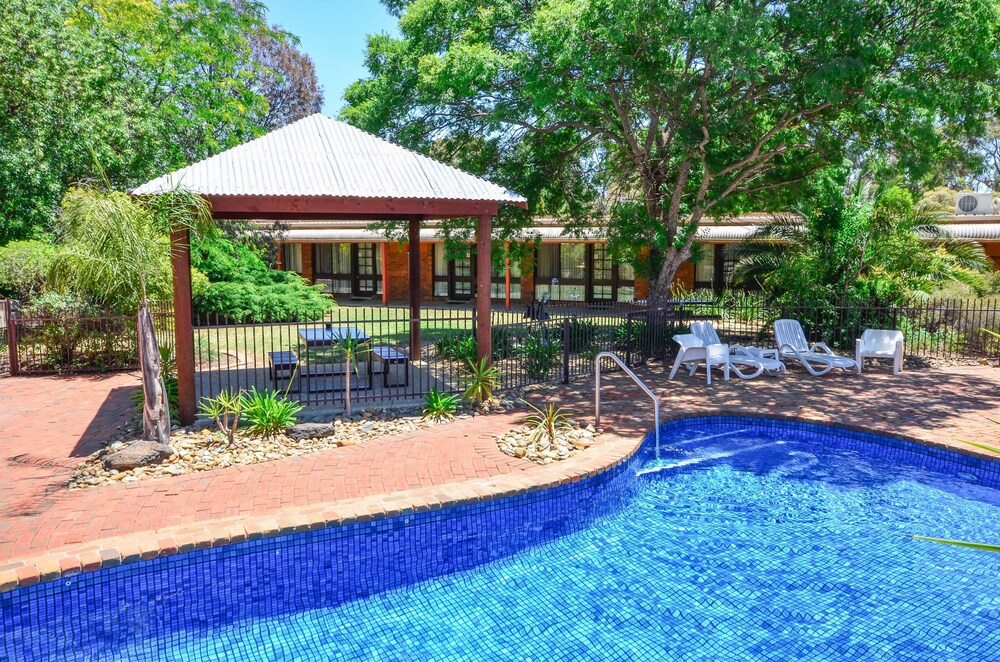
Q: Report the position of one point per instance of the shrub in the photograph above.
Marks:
(582, 335)
(481, 380)
(457, 347)
(540, 353)
(504, 343)
(243, 288)
(439, 406)
(269, 413)
(225, 409)
(548, 422)
(61, 330)
(24, 266)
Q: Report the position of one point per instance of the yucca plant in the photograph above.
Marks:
(480, 381)
(439, 406)
(548, 422)
(355, 350)
(269, 413)
(226, 409)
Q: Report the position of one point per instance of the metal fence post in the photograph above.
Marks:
(565, 350)
(8, 312)
(628, 340)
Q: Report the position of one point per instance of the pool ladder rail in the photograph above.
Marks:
(638, 382)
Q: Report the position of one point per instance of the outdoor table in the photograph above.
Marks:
(328, 336)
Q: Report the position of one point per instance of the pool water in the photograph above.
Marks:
(737, 543)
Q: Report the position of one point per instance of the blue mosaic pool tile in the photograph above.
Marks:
(746, 539)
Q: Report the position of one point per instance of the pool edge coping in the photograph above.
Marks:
(613, 450)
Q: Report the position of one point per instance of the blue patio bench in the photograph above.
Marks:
(283, 364)
(390, 356)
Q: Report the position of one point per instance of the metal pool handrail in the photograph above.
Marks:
(638, 382)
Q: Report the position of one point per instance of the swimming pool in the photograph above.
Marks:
(747, 539)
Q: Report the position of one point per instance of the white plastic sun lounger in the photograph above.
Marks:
(746, 362)
(693, 352)
(817, 358)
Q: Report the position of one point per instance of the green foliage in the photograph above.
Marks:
(225, 409)
(439, 406)
(856, 244)
(481, 379)
(548, 422)
(242, 287)
(268, 412)
(671, 112)
(457, 347)
(540, 353)
(116, 248)
(24, 266)
(142, 87)
(504, 343)
(62, 328)
(582, 335)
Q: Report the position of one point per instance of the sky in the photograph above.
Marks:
(333, 33)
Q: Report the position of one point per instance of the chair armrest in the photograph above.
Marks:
(821, 347)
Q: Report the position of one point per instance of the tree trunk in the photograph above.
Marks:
(660, 284)
(155, 408)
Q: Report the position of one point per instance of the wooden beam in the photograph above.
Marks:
(180, 262)
(413, 252)
(329, 207)
(484, 330)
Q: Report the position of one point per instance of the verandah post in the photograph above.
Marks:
(484, 331)
(180, 262)
(413, 253)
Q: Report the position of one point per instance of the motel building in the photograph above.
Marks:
(355, 263)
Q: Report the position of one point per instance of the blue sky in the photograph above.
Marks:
(333, 33)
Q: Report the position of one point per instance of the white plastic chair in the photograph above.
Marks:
(817, 358)
(693, 352)
(757, 360)
(880, 344)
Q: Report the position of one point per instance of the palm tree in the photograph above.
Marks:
(116, 250)
(860, 244)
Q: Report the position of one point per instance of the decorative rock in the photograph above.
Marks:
(302, 431)
(138, 454)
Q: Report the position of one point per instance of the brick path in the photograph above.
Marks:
(48, 424)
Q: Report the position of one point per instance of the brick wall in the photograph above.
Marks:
(426, 271)
(397, 269)
(527, 279)
(993, 252)
(307, 261)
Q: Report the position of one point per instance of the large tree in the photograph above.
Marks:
(139, 86)
(287, 79)
(676, 111)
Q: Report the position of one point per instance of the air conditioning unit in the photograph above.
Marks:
(973, 204)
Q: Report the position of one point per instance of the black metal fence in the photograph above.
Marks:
(99, 341)
(308, 358)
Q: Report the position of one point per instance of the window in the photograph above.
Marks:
(585, 273)
(498, 281)
(332, 267)
(291, 258)
(704, 269)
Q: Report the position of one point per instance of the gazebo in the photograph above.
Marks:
(321, 169)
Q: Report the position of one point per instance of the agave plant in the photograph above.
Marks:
(269, 413)
(548, 422)
(439, 406)
(481, 379)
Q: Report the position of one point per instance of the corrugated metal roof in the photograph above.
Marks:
(319, 156)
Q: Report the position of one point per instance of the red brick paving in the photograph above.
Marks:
(49, 424)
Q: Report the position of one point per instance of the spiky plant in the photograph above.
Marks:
(439, 406)
(481, 379)
(549, 422)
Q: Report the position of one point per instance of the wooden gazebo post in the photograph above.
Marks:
(180, 263)
(484, 321)
(413, 253)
